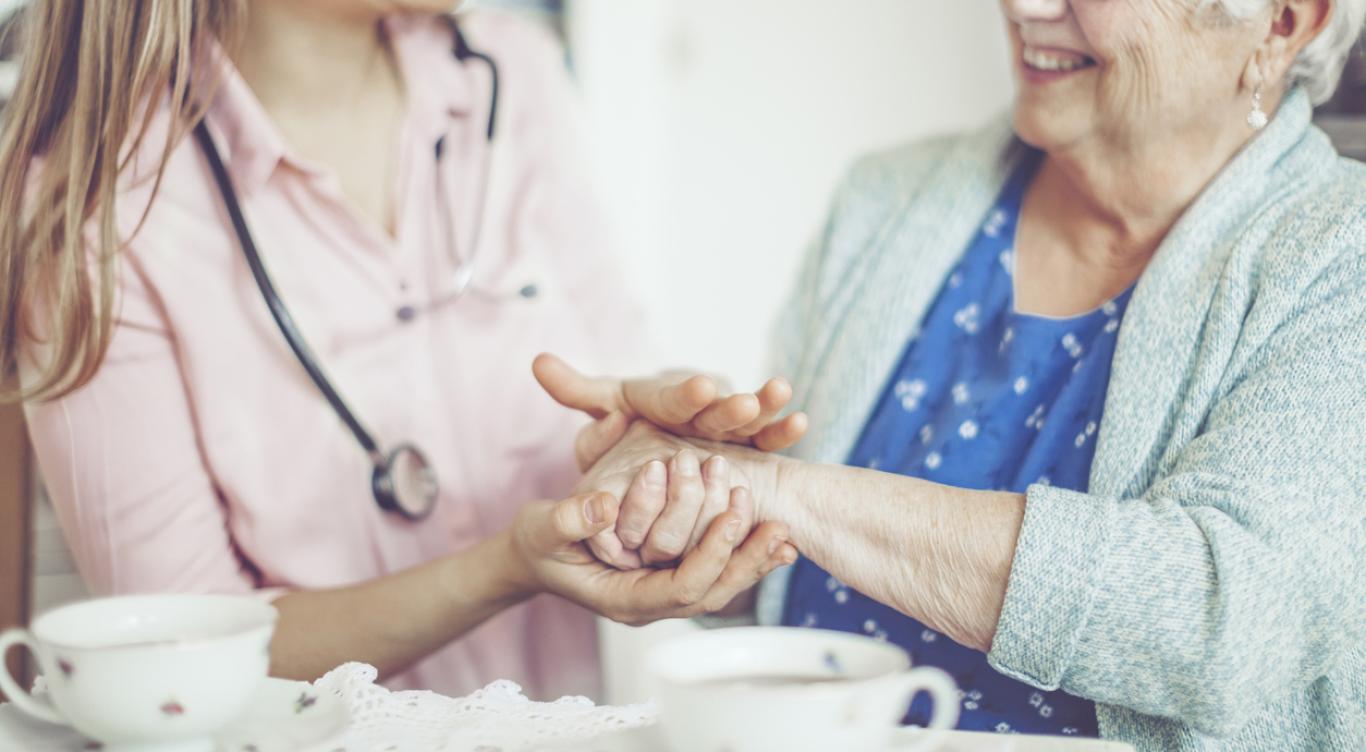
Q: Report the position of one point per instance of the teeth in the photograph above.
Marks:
(1041, 60)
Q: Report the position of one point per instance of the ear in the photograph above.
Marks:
(1292, 25)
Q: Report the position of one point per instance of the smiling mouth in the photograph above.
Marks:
(1055, 61)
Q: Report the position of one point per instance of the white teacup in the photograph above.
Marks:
(758, 689)
(147, 673)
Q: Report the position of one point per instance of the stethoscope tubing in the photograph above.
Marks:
(285, 322)
(278, 310)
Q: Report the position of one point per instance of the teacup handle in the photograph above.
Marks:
(23, 700)
(939, 685)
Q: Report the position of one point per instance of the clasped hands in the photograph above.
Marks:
(666, 520)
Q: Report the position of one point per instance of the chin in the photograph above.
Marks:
(1043, 127)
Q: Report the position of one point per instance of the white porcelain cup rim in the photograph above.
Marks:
(253, 614)
(712, 667)
(123, 625)
(893, 659)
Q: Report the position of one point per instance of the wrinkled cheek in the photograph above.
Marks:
(1144, 86)
(1152, 66)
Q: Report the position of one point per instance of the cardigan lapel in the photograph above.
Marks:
(910, 256)
(918, 244)
(1160, 337)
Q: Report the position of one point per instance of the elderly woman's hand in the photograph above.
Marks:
(684, 404)
(548, 542)
(669, 497)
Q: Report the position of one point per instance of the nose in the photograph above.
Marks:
(1035, 10)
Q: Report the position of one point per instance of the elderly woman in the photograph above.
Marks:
(1099, 378)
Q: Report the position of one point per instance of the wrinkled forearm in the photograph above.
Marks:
(939, 554)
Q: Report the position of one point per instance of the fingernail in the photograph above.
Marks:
(733, 531)
(592, 509)
(654, 474)
(789, 556)
(773, 546)
(718, 465)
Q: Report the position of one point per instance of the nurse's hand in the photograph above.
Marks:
(548, 543)
(680, 402)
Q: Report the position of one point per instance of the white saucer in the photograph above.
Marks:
(288, 716)
(284, 716)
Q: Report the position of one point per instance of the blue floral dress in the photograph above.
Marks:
(984, 398)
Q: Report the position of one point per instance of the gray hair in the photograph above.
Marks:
(1320, 63)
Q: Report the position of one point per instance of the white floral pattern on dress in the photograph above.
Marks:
(996, 221)
(961, 394)
(966, 318)
(968, 429)
(984, 397)
(910, 393)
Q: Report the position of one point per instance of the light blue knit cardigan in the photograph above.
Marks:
(1209, 592)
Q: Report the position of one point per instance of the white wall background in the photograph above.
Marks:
(722, 126)
(725, 124)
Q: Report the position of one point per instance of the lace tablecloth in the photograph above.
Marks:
(498, 718)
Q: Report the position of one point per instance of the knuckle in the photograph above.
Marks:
(715, 602)
(666, 544)
(689, 594)
(652, 505)
(563, 519)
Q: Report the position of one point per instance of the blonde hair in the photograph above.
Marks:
(91, 79)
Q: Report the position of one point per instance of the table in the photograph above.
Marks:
(345, 711)
(651, 740)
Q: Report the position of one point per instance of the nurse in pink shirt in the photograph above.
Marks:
(182, 443)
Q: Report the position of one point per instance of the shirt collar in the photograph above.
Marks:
(438, 89)
(250, 143)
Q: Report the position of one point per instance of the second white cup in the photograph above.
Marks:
(758, 689)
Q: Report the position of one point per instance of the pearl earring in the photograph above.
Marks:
(1257, 118)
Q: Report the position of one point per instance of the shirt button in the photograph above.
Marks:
(406, 313)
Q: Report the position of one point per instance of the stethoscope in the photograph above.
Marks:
(403, 481)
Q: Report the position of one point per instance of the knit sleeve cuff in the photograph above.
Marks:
(1059, 559)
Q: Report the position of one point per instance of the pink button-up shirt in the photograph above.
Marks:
(201, 457)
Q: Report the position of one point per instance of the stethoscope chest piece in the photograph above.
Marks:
(405, 483)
